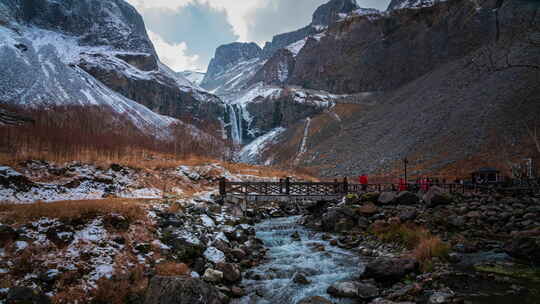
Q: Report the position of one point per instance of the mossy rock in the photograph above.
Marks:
(351, 199)
(516, 271)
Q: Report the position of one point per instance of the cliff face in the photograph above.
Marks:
(366, 53)
(276, 70)
(92, 52)
(323, 16)
(459, 82)
(224, 66)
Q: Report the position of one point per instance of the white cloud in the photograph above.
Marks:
(174, 55)
(236, 10)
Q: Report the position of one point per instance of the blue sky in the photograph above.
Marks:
(187, 32)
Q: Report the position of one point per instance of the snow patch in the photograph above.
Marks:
(252, 152)
(214, 255)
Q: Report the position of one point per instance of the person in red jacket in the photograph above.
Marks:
(402, 185)
(363, 179)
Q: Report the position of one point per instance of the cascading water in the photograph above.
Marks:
(235, 119)
(272, 282)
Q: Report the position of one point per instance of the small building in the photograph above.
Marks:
(486, 176)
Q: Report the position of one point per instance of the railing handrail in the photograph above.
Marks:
(288, 187)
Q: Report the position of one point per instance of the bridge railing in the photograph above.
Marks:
(286, 187)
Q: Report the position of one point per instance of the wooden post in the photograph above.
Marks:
(222, 186)
(345, 186)
(288, 185)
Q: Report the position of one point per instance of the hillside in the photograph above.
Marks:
(93, 53)
(441, 82)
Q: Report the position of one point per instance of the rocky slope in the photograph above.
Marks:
(92, 53)
(453, 78)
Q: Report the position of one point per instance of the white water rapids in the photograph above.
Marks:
(288, 257)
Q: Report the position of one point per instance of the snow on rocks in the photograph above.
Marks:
(252, 152)
(412, 4)
(41, 181)
(214, 255)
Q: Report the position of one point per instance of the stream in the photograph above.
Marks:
(272, 282)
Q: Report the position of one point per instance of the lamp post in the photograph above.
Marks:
(405, 162)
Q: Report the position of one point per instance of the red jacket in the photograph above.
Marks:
(363, 180)
(402, 186)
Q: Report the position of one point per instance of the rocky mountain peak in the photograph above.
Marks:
(329, 12)
(226, 56)
(235, 52)
(98, 23)
(400, 4)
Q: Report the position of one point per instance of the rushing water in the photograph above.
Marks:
(288, 256)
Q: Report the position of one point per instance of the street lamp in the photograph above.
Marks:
(405, 162)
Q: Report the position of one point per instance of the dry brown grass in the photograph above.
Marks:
(121, 287)
(70, 210)
(430, 247)
(175, 208)
(171, 269)
(423, 245)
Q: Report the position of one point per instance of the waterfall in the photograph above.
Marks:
(235, 121)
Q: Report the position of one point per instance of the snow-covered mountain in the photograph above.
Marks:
(401, 4)
(194, 77)
(252, 81)
(92, 52)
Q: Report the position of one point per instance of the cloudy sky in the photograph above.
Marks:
(187, 32)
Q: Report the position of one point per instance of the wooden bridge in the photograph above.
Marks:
(285, 188)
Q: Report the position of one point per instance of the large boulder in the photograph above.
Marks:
(339, 219)
(389, 270)
(231, 272)
(436, 197)
(407, 198)
(353, 289)
(386, 198)
(181, 290)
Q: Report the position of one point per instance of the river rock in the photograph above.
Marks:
(389, 270)
(237, 292)
(25, 295)
(214, 255)
(406, 198)
(436, 197)
(212, 275)
(386, 198)
(408, 215)
(314, 300)
(185, 251)
(181, 290)
(367, 209)
(231, 272)
(352, 289)
(300, 278)
(238, 253)
(7, 234)
(440, 298)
